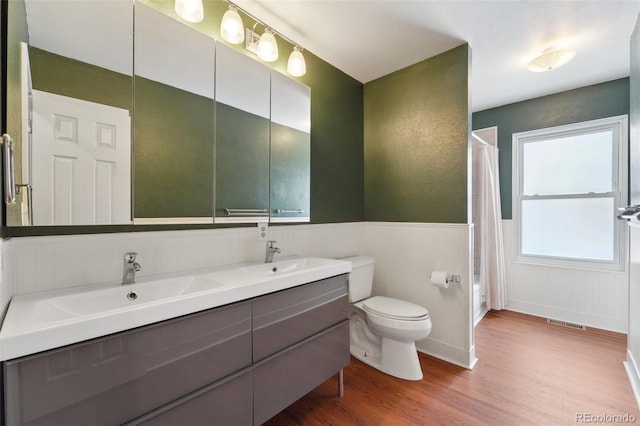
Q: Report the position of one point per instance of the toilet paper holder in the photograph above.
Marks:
(444, 279)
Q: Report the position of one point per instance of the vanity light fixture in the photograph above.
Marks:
(296, 65)
(550, 59)
(232, 28)
(190, 10)
(268, 46)
(265, 45)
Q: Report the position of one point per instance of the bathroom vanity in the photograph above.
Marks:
(234, 363)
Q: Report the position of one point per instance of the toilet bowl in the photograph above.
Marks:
(384, 329)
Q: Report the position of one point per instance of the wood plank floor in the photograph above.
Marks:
(529, 372)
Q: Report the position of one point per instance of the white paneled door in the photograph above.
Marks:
(81, 162)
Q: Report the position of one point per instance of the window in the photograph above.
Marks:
(568, 182)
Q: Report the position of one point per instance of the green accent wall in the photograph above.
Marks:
(173, 152)
(242, 160)
(416, 133)
(337, 138)
(587, 103)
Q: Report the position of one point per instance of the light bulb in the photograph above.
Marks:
(268, 47)
(232, 28)
(190, 10)
(296, 65)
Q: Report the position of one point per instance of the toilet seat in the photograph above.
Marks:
(396, 309)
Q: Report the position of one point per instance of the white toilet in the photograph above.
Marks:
(384, 330)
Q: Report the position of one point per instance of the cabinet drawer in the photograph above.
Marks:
(117, 378)
(289, 316)
(227, 402)
(283, 379)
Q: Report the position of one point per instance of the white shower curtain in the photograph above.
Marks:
(492, 250)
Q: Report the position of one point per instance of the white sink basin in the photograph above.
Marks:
(41, 321)
(121, 297)
(284, 266)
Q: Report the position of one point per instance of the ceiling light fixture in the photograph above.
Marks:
(268, 46)
(231, 27)
(296, 65)
(190, 10)
(550, 59)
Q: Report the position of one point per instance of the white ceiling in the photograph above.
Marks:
(370, 38)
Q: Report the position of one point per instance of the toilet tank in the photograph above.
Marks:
(361, 277)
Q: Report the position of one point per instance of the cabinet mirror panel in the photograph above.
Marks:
(174, 120)
(198, 132)
(290, 149)
(242, 137)
(69, 111)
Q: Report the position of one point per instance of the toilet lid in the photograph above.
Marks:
(395, 309)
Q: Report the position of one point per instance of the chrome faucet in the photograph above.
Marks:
(130, 268)
(271, 250)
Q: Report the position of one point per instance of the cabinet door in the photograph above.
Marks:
(290, 316)
(242, 137)
(284, 378)
(114, 379)
(290, 149)
(81, 54)
(227, 402)
(174, 120)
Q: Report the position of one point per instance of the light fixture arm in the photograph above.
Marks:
(258, 21)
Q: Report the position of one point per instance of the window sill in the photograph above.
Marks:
(616, 268)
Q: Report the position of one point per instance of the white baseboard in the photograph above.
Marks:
(446, 352)
(590, 320)
(634, 376)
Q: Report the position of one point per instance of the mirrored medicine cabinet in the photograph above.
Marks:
(167, 127)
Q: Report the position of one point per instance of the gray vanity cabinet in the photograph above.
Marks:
(284, 378)
(238, 364)
(285, 318)
(226, 402)
(117, 378)
(300, 338)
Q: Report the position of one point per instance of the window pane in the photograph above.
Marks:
(573, 228)
(571, 165)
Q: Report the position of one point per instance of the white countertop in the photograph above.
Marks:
(41, 321)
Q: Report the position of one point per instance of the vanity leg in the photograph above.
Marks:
(341, 383)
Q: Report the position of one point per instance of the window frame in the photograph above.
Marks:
(620, 128)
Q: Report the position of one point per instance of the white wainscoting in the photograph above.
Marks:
(589, 297)
(406, 254)
(55, 262)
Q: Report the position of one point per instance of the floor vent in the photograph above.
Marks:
(566, 324)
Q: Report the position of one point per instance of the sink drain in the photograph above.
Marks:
(132, 295)
(274, 269)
